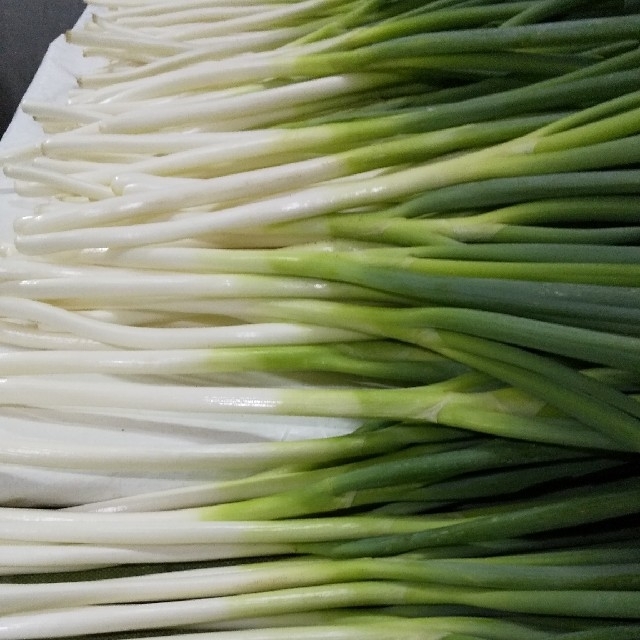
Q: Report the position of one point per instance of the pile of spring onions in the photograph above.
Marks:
(322, 321)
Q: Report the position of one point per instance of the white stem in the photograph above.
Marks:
(37, 392)
(215, 48)
(298, 12)
(34, 337)
(196, 583)
(188, 527)
(186, 15)
(16, 559)
(238, 154)
(246, 457)
(75, 146)
(162, 7)
(61, 183)
(244, 186)
(196, 495)
(86, 38)
(305, 203)
(65, 113)
(177, 338)
(105, 287)
(113, 618)
(136, 4)
(251, 103)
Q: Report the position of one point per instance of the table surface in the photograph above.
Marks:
(27, 27)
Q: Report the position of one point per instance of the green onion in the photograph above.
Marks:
(321, 319)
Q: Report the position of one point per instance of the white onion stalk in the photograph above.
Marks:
(214, 48)
(28, 559)
(188, 527)
(224, 459)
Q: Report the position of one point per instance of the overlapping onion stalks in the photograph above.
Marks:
(331, 310)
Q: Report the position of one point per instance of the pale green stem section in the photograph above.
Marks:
(85, 620)
(190, 527)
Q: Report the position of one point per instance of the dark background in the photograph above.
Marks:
(27, 27)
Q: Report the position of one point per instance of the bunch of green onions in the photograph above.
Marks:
(325, 320)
